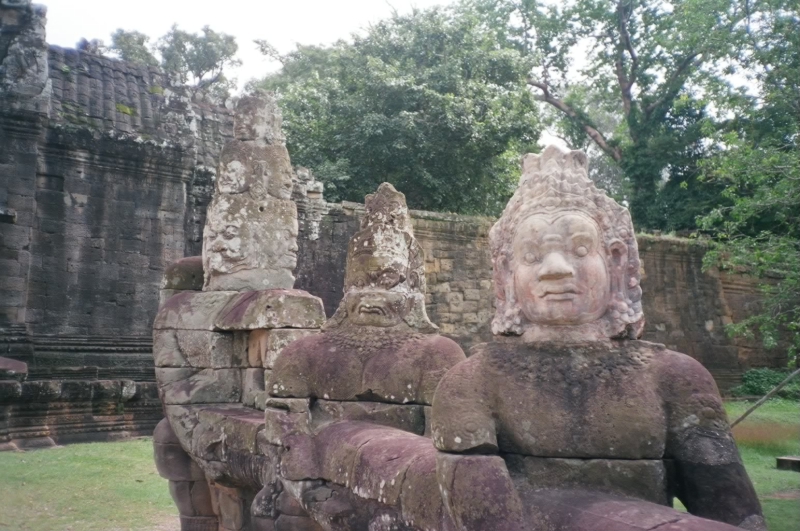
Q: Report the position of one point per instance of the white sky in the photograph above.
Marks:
(283, 23)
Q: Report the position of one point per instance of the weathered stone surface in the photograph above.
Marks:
(184, 274)
(199, 386)
(250, 243)
(253, 394)
(196, 348)
(275, 308)
(379, 345)
(13, 369)
(642, 479)
(250, 237)
(192, 310)
(410, 418)
(265, 345)
(566, 279)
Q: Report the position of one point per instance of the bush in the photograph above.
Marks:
(759, 382)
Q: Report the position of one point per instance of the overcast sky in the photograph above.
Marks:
(283, 23)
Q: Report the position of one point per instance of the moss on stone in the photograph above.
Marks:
(124, 109)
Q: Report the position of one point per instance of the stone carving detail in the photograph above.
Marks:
(589, 430)
(250, 238)
(591, 281)
(380, 343)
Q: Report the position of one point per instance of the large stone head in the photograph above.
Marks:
(566, 263)
(384, 282)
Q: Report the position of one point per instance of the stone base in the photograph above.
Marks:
(789, 463)
(45, 413)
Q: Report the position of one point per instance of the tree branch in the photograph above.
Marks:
(626, 81)
(670, 85)
(598, 138)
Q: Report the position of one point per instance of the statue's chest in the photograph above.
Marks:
(583, 406)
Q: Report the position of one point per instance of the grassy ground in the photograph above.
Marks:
(85, 487)
(771, 431)
(115, 487)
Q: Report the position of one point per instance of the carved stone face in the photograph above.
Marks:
(277, 170)
(229, 246)
(280, 244)
(559, 270)
(376, 307)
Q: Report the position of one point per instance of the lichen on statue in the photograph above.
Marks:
(380, 344)
(565, 394)
(250, 236)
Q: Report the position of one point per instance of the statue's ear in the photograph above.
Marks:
(618, 263)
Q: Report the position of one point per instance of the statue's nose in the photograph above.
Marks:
(555, 267)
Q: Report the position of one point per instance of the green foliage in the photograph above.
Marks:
(635, 78)
(759, 382)
(758, 165)
(194, 59)
(132, 46)
(199, 58)
(429, 102)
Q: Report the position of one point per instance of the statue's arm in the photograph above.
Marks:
(710, 478)
(461, 419)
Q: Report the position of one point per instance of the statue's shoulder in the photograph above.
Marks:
(676, 370)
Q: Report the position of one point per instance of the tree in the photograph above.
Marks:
(759, 167)
(194, 59)
(198, 59)
(132, 46)
(429, 101)
(656, 64)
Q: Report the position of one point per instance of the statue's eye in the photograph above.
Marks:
(530, 258)
(582, 251)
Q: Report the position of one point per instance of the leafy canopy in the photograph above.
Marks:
(194, 59)
(431, 102)
(758, 232)
(636, 78)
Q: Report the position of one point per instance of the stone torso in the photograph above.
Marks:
(368, 363)
(593, 400)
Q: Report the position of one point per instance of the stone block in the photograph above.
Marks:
(239, 426)
(199, 386)
(253, 393)
(268, 344)
(197, 348)
(472, 295)
(185, 274)
(286, 522)
(192, 310)
(277, 308)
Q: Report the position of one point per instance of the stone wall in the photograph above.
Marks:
(105, 174)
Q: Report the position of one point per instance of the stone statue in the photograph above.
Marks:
(380, 344)
(587, 423)
(250, 237)
(214, 341)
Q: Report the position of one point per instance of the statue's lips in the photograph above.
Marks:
(565, 292)
(370, 309)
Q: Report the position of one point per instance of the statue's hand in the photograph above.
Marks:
(754, 522)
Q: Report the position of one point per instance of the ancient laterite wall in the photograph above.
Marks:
(105, 174)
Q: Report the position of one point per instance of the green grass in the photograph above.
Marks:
(84, 487)
(771, 431)
(115, 486)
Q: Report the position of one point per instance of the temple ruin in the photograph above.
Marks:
(106, 174)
